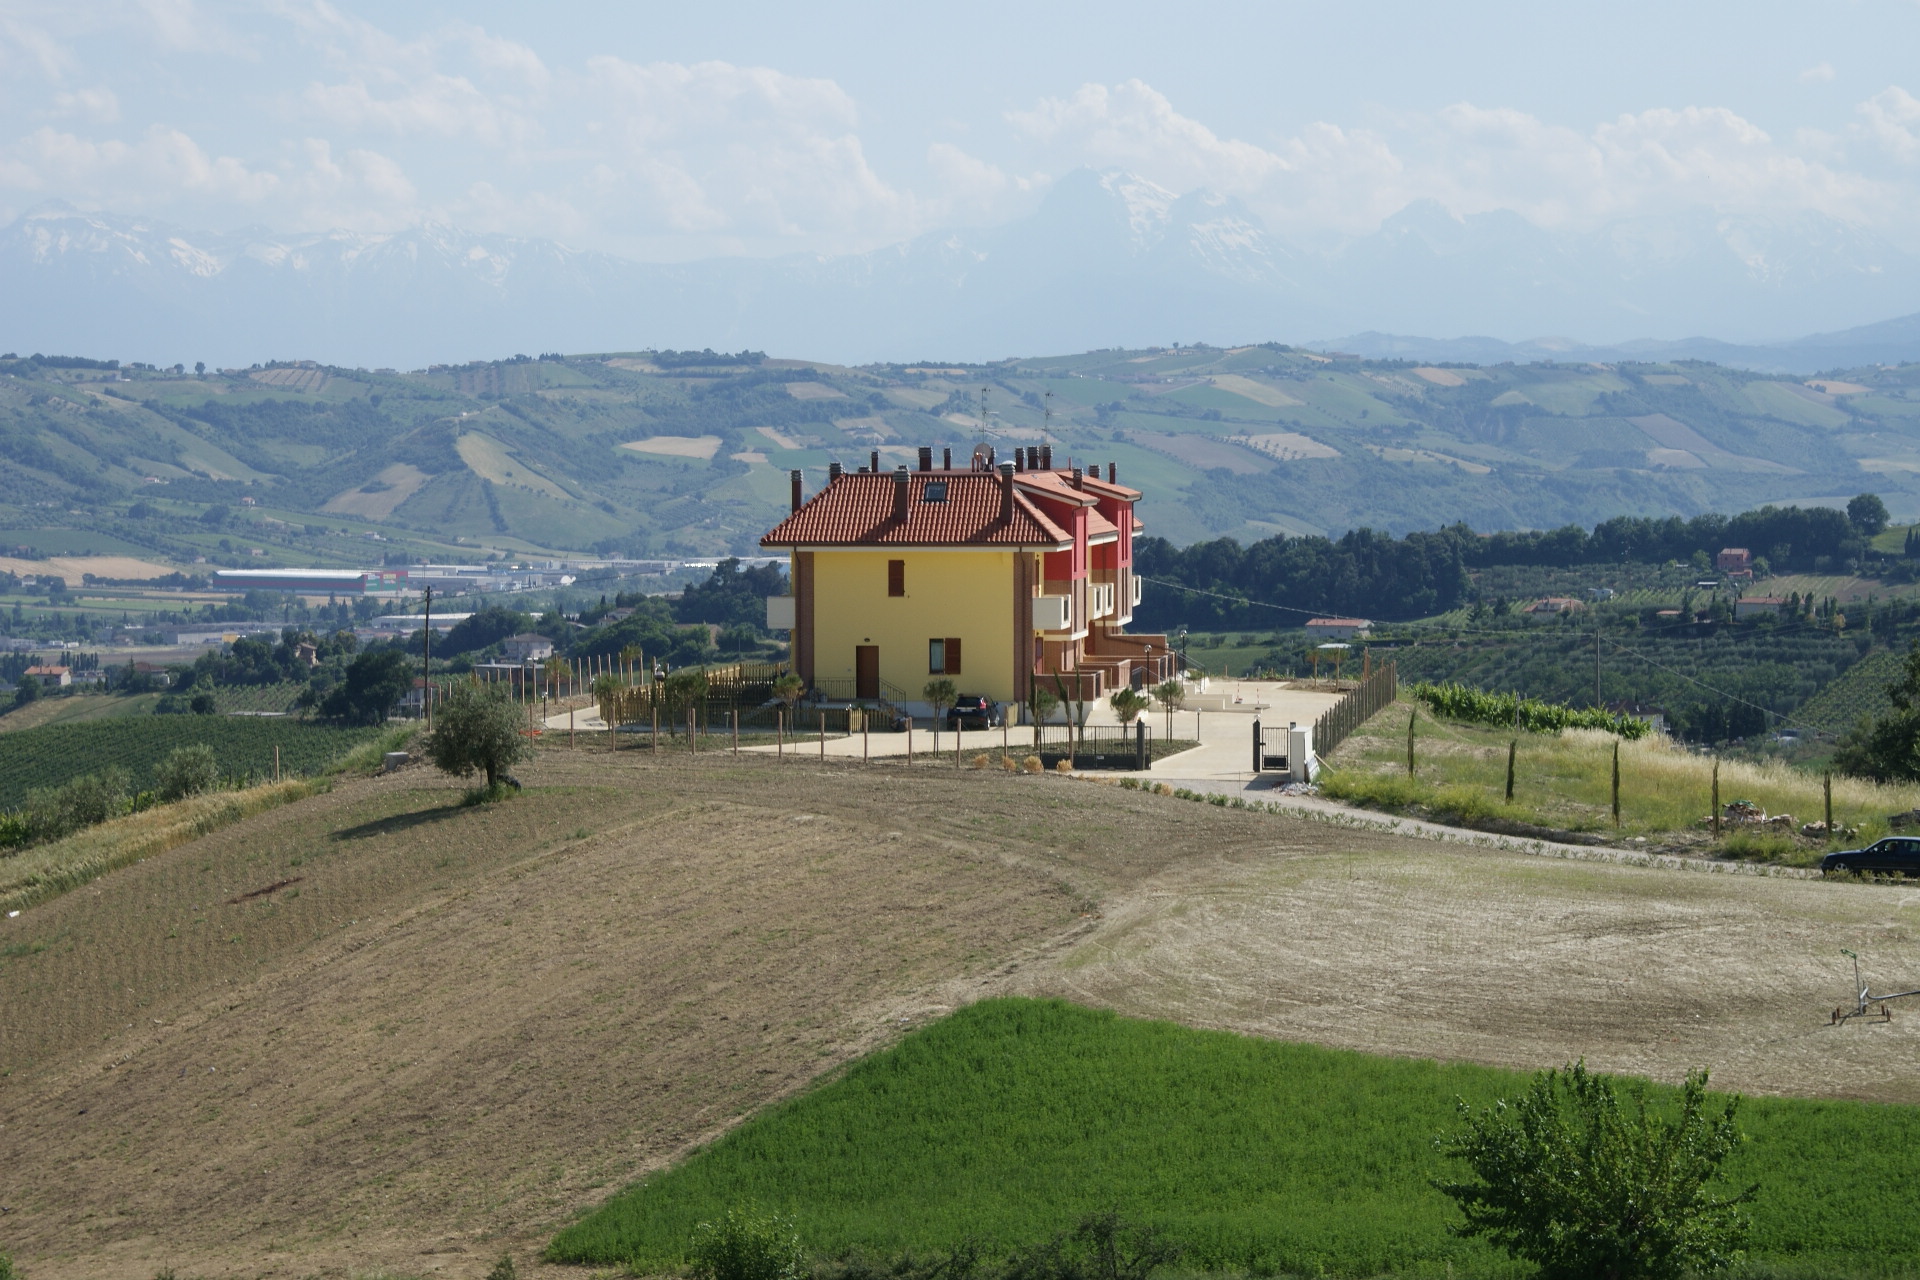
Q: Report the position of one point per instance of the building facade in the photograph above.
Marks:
(992, 575)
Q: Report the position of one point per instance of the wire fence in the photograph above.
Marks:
(1360, 704)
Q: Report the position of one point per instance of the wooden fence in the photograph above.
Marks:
(1339, 721)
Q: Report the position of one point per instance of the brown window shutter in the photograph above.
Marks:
(896, 577)
(953, 656)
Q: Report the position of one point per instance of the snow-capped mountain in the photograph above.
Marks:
(1108, 259)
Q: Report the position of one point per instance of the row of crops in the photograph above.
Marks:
(1459, 702)
(243, 747)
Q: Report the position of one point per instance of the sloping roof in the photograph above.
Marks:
(1098, 526)
(1105, 489)
(857, 510)
(1053, 485)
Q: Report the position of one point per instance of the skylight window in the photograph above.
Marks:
(936, 491)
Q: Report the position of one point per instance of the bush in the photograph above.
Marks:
(1569, 1181)
(53, 812)
(186, 771)
(748, 1245)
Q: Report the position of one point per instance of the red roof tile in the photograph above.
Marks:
(857, 510)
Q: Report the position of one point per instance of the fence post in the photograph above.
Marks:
(1411, 717)
(1616, 782)
(736, 731)
(1828, 781)
(1512, 748)
(656, 730)
(1140, 745)
(1716, 799)
(822, 713)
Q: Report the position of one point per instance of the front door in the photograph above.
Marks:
(866, 671)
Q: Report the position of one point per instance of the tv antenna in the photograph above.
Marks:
(1046, 419)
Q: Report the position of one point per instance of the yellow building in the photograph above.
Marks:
(990, 576)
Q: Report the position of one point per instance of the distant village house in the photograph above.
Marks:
(1338, 628)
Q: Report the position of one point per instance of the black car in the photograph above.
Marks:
(1896, 855)
(971, 711)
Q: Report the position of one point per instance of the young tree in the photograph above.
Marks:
(746, 1244)
(1128, 703)
(1569, 1180)
(941, 694)
(478, 729)
(1170, 694)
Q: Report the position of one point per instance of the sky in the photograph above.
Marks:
(671, 132)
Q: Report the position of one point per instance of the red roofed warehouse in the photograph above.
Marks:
(992, 575)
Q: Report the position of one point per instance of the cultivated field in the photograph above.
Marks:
(376, 1029)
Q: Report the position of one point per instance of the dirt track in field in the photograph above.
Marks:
(449, 1029)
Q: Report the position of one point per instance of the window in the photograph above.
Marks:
(935, 491)
(896, 577)
(943, 657)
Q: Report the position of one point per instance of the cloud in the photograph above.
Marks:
(1819, 73)
(98, 105)
(161, 162)
(1470, 158)
(1890, 117)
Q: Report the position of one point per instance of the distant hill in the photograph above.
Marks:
(686, 453)
(1107, 259)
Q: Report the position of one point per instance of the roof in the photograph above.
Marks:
(527, 637)
(1339, 622)
(1762, 600)
(856, 510)
(47, 671)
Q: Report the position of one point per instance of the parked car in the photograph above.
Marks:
(972, 711)
(1896, 855)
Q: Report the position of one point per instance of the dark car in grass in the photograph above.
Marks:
(971, 711)
(1894, 856)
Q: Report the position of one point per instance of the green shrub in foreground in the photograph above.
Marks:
(1013, 1117)
(746, 1244)
(186, 771)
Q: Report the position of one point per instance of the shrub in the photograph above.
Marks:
(186, 771)
(980, 761)
(7, 1271)
(746, 1244)
(1032, 765)
(1569, 1181)
(53, 812)
(1007, 763)
(503, 1269)
(1063, 766)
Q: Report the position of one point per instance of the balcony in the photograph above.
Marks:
(1102, 598)
(1053, 613)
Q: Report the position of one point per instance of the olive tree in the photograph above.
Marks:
(478, 728)
(1582, 1187)
(941, 694)
(186, 771)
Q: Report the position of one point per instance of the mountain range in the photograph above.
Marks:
(1108, 259)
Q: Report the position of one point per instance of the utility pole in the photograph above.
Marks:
(426, 663)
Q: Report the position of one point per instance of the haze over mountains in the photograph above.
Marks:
(1108, 259)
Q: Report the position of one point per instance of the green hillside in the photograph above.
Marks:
(685, 454)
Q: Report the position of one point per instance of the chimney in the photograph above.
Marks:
(900, 494)
(794, 476)
(1113, 473)
(926, 458)
(1073, 477)
(1046, 457)
(1020, 457)
(834, 471)
(873, 462)
(993, 463)
(1006, 493)
(946, 459)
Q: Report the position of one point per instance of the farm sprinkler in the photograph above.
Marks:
(1873, 1008)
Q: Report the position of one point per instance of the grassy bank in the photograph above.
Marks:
(1011, 1118)
(1564, 781)
(44, 871)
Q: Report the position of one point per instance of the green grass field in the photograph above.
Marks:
(1564, 780)
(49, 756)
(1012, 1118)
